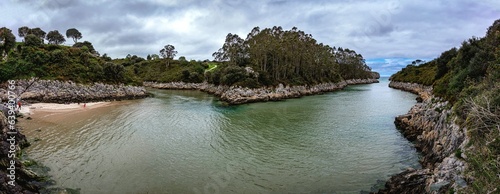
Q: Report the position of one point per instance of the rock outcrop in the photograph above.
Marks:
(240, 95)
(25, 179)
(431, 127)
(35, 90)
(411, 178)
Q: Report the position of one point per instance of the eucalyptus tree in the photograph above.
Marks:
(291, 56)
(233, 50)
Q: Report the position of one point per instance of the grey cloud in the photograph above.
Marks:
(375, 29)
(48, 4)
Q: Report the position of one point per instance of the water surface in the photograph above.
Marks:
(189, 142)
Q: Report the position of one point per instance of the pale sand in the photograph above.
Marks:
(59, 108)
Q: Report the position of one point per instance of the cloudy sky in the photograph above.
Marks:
(389, 34)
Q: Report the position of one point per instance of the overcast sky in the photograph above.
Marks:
(389, 34)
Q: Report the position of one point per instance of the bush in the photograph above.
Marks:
(32, 40)
(233, 74)
(114, 72)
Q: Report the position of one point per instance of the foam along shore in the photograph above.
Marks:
(30, 109)
(240, 95)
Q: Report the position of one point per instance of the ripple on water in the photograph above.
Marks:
(186, 141)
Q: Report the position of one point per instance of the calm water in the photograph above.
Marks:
(188, 142)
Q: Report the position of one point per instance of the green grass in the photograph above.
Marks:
(211, 66)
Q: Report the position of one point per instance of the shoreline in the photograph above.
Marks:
(63, 92)
(430, 125)
(32, 109)
(48, 113)
(50, 100)
(236, 95)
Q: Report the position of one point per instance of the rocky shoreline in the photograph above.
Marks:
(49, 91)
(26, 181)
(431, 126)
(238, 95)
(53, 91)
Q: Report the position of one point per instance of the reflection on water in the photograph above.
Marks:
(188, 142)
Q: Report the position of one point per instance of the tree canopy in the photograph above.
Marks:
(74, 34)
(168, 52)
(7, 41)
(290, 56)
(54, 37)
(38, 33)
(23, 31)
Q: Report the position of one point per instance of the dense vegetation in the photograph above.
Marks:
(274, 55)
(266, 57)
(469, 78)
(165, 70)
(33, 58)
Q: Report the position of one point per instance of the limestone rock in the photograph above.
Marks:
(64, 92)
(238, 95)
(436, 136)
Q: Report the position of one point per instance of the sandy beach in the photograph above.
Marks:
(32, 109)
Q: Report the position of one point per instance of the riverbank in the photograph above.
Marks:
(238, 95)
(430, 124)
(63, 92)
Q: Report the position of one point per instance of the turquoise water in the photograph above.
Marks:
(188, 142)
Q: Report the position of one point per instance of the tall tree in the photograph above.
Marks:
(7, 41)
(168, 52)
(74, 34)
(233, 50)
(54, 37)
(23, 31)
(38, 32)
(291, 56)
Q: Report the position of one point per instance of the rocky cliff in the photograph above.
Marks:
(240, 95)
(35, 90)
(431, 126)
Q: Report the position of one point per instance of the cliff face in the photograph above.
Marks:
(431, 126)
(61, 92)
(239, 95)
